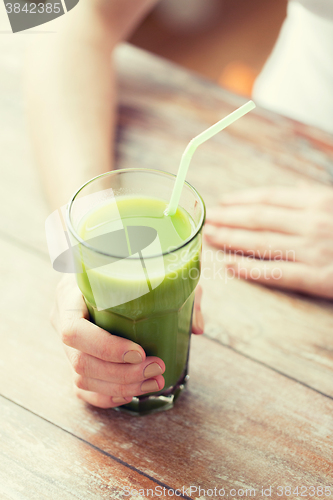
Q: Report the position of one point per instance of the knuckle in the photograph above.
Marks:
(268, 195)
(109, 346)
(323, 255)
(122, 379)
(261, 246)
(326, 201)
(254, 216)
(125, 375)
(122, 391)
(77, 392)
(327, 278)
(80, 382)
(69, 331)
(105, 352)
(79, 363)
(320, 227)
(324, 281)
(104, 403)
(68, 335)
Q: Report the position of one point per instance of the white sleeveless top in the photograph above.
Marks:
(297, 79)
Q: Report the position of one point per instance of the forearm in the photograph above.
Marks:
(71, 94)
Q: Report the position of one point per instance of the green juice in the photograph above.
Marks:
(159, 281)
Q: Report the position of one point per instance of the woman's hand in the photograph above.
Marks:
(108, 370)
(289, 231)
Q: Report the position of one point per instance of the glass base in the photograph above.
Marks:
(144, 405)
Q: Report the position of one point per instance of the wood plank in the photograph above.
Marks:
(161, 107)
(239, 424)
(284, 330)
(244, 423)
(39, 461)
(290, 332)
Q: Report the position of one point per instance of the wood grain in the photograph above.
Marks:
(39, 461)
(161, 108)
(239, 424)
(242, 422)
(286, 331)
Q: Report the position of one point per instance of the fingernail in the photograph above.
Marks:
(152, 370)
(149, 386)
(119, 400)
(133, 357)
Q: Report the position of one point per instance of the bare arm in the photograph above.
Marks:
(71, 106)
(71, 93)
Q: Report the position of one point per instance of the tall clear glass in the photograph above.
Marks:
(139, 291)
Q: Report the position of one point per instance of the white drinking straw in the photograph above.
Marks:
(192, 146)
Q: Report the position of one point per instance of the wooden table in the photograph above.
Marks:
(258, 410)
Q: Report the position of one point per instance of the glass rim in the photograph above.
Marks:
(145, 170)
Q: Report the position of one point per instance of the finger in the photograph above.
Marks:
(258, 218)
(288, 275)
(289, 197)
(260, 244)
(69, 303)
(198, 321)
(198, 297)
(118, 373)
(87, 337)
(118, 390)
(100, 400)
